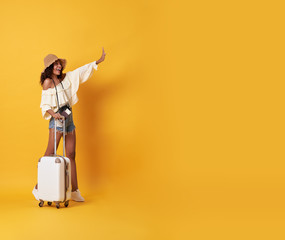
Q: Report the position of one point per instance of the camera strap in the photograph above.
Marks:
(57, 94)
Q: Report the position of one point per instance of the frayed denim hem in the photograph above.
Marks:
(61, 131)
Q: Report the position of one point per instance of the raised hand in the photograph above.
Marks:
(102, 58)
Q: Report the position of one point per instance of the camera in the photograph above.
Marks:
(65, 111)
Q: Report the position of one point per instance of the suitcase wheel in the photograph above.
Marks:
(49, 203)
(57, 205)
(66, 203)
(41, 203)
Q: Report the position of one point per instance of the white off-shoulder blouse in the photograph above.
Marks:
(68, 94)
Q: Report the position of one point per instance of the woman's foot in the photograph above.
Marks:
(35, 192)
(76, 196)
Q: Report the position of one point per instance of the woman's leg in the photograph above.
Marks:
(50, 147)
(70, 144)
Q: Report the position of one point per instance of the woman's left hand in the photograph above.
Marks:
(102, 58)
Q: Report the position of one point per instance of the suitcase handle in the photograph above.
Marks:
(63, 150)
(63, 155)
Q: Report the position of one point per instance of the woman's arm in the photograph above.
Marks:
(82, 74)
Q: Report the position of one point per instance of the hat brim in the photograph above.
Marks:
(63, 63)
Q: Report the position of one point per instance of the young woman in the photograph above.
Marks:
(59, 93)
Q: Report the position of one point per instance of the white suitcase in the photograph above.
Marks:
(54, 177)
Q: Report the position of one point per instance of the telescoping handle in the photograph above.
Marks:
(63, 154)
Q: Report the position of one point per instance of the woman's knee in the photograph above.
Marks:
(49, 152)
(71, 155)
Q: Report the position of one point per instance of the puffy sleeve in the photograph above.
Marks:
(78, 76)
(48, 102)
(82, 74)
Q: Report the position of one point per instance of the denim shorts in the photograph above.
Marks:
(69, 125)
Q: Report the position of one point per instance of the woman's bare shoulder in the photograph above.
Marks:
(47, 84)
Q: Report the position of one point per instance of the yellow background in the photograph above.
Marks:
(180, 132)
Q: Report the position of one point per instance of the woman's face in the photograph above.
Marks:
(57, 67)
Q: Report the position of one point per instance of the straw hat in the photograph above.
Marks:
(51, 58)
